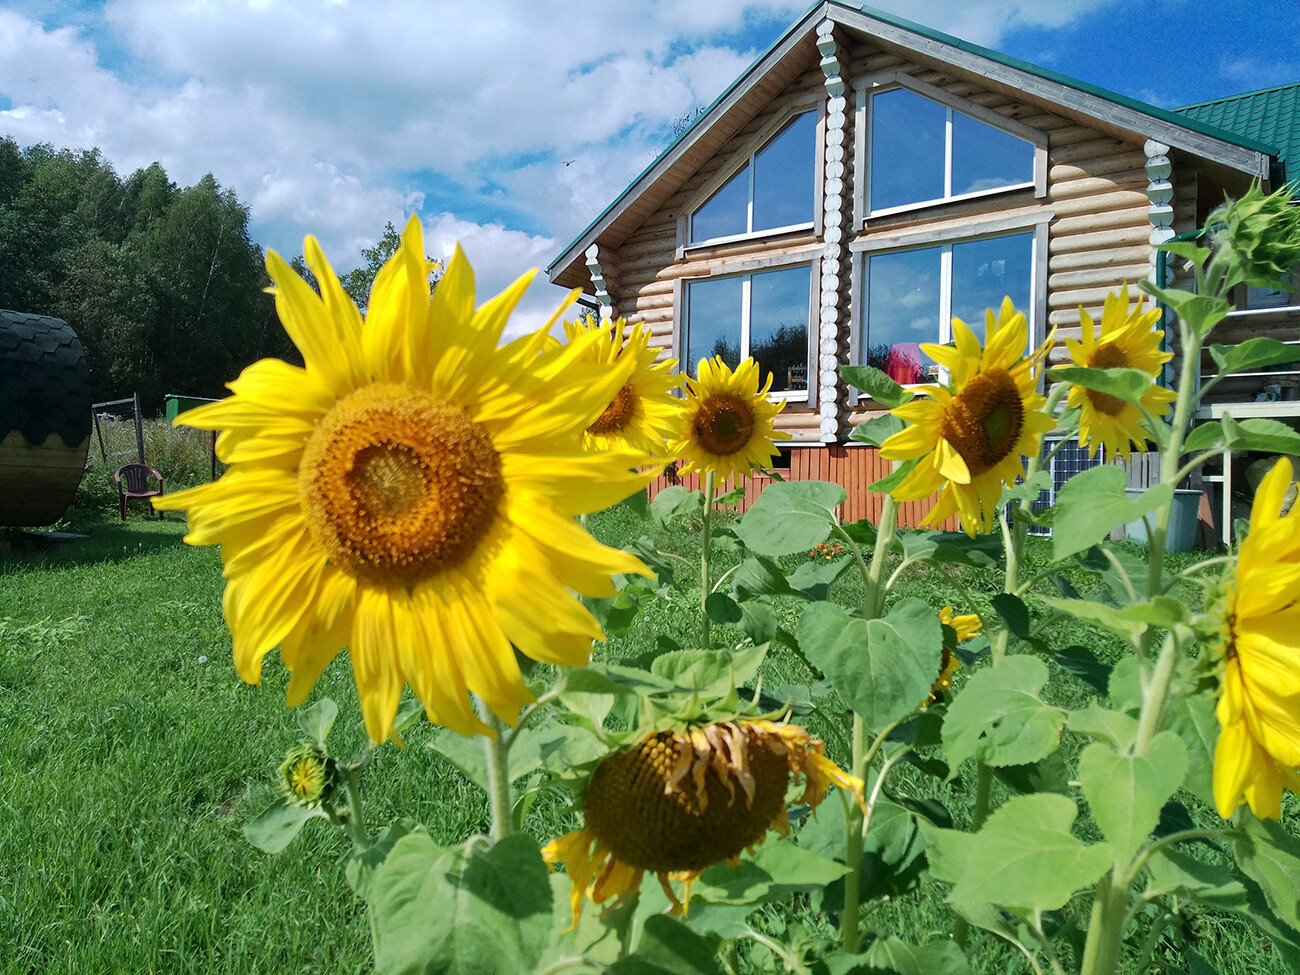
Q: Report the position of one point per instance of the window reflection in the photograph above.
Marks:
(902, 311)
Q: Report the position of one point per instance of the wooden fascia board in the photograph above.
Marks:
(804, 31)
(1054, 94)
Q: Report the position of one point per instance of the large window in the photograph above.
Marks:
(773, 190)
(913, 295)
(764, 315)
(924, 152)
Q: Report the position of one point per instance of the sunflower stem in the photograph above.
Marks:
(706, 547)
(497, 751)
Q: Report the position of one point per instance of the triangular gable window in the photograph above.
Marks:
(923, 152)
(773, 190)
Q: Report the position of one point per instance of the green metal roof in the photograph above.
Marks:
(1180, 117)
(1270, 115)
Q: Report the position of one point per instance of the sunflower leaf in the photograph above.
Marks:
(953, 548)
(666, 947)
(675, 502)
(876, 384)
(1125, 384)
(999, 716)
(882, 668)
(1207, 436)
(891, 481)
(1270, 856)
(1127, 792)
(791, 517)
(1093, 502)
(1256, 353)
(1262, 434)
(1025, 859)
(275, 827)
(474, 908)
(877, 430)
(892, 954)
(316, 721)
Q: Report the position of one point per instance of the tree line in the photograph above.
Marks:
(162, 284)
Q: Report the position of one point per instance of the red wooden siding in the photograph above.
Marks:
(853, 468)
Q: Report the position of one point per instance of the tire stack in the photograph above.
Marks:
(45, 400)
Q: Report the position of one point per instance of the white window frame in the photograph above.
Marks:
(1035, 221)
(747, 269)
(872, 85)
(745, 157)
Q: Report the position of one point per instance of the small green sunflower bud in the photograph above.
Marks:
(1257, 237)
(307, 775)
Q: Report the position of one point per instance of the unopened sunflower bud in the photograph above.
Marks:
(307, 775)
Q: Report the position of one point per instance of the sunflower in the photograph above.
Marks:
(964, 627)
(642, 414)
(409, 493)
(1127, 341)
(679, 802)
(1259, 697)
(726, 424)
(971, 434)
(307, 776)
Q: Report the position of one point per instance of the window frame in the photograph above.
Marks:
(1034, 221)
(867, 87)
(809, 258)
(744, 156)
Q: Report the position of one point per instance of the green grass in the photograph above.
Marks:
(129, 765)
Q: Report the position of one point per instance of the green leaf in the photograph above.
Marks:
(316, 721)
(1104, 724)
(360, 868)
(709, 672)
(1013, 612)
(275, 827)
(600, 936)
(1270, 855)
(1024, 859)
(893, 851)
(953, 548)
(1173, 871)
(1129, 621)
(878, 429)
(1000, 717)
(1046, 775)
(1125, 384)
(757, 576)
(1253, 354)
(759, 621)
(1192, 719)
(891, 481)
(777, 870)
(1262, 434)
(791, 517)
(1127, 792)
(812, 580)
(1185, 248)
(1207, 436)
(1083, 664)
(675, 502)
(461, 911)
(1200, 312)
(876, 384)
(1093, 502)
(721, 608)
(889, 955)
(667, 946)
(883, 668)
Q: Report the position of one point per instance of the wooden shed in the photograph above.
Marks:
(866, 180)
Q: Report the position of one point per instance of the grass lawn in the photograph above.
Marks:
(131, 755)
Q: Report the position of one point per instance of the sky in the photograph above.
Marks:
(506, 125)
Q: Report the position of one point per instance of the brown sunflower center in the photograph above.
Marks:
(724, 424)
(984, 420)
(397, 486)
(649, 823)
(1107, 356)
(618, 414)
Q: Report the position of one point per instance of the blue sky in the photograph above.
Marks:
(506, 125)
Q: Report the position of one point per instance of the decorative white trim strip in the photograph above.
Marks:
(1160, 191)
(600, 282)
(830, 406)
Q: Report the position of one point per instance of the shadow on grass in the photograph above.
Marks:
(88, 538)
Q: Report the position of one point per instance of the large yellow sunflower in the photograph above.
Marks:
(971, 434)
(680, 802)
(409, 493)
(1259, 698)
(726, 424)
(643, 413)
(1127, 341)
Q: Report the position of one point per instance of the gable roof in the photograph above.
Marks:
(1270, 115)
(795, 51)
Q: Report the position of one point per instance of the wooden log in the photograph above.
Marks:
(1098, 222)
(1115, 162)
(1113, 277)
(1109, 257)
(1100, 203)
(1069, 242)
(1084, 185)
(1096, 148)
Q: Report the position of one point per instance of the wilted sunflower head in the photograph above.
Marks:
(642, 414)
(307, 775)
(726, 425)
(678, 802)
